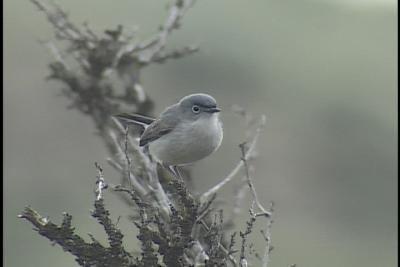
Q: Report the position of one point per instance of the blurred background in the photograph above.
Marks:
(324, 73)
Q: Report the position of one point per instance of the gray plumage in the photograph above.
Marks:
(184, 132)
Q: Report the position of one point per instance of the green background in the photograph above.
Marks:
(324, 73)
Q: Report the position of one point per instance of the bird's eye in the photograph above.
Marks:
(196, 109)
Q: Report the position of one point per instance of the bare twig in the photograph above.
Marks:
(177, 53)
(240, 164)
(206, 208)
(267, 237)
(100, 182)
(244, 236)
(57, 54)
(59, 19)
(151, 48)
(127, 159)
(144, 169)
(254, 215)
(263, 212)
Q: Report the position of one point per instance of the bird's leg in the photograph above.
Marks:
(176, 170)
(170, 169)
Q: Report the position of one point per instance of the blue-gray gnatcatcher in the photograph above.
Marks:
(185, 132)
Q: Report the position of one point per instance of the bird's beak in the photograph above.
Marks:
(213, 110)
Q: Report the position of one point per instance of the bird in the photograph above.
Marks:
(184, 133)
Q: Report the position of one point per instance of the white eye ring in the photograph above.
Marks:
(196, 109)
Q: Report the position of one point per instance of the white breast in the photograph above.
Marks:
(189, 142)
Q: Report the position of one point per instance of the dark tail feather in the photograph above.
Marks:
(134, 119)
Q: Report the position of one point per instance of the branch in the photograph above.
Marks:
(240, 164)
(267, 237)
(151, 48)
(87, 254)
(101, 184)
(175, 54)
(254, 215)
(263, 212)
(244, 235)
(59, 19)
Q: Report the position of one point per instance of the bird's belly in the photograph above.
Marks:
(185, 145)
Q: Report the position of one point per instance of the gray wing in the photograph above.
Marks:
(162, 126)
